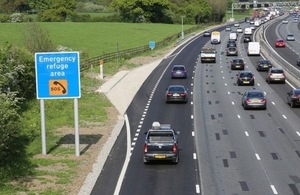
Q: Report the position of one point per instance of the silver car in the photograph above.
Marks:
(290, 37)
(254, 99)
(275, 75)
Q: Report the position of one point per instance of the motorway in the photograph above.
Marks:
(223, 148)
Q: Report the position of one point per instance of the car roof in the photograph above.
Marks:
(178, 65)
(176, 86)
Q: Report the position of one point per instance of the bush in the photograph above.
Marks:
(4, 18)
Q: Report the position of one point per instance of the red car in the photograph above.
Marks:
(280, 43)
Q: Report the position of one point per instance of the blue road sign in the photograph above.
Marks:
(57, 75)
(152, 44)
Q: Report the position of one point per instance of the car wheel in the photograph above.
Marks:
(283, 82)
(145, 161)
(176, 160)
(292, 104)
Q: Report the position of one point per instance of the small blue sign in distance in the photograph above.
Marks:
(57, 75)
(151, 44)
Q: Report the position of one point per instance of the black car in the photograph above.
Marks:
(254, 99)
(298, 62)
(247, 39)
(231, 43)
(293, 97)
(263, 65)
(178, 71)
(206, 34)
(237, 64)
(245, 78)
(176, 93)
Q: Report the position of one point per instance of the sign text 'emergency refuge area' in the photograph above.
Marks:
(57, 75)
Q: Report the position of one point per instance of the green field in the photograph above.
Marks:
(94, 38)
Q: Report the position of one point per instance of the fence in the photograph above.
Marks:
(128, 53)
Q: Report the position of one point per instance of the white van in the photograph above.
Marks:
(253, 49)
(248, 31)
(232, 36)
(215, 37)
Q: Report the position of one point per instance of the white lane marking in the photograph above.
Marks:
(193, 133)
(225, 84)
(194, 156)
(197, 189)
(192, 116)
(232, 103)
(298, 133)
(223, 77)
(192, 103)
(258, 84)
(274, 189)
(192, 84)
(273, 103)
(192, 93)
(284, 116)
(247, 134)
(257, 156)
(238, 116)
(127, 159)
(228, 93)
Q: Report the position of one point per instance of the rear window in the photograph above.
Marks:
(180, 89)
(238, 61)
(277, 71)
(160, 137)
(175, 68)
(248, 74)
(255, 94)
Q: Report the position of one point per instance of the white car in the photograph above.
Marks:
(236, 25)
(285, 21)
(239, 30)
(290, 37)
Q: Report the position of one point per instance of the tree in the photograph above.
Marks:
(16, 84)
(11, 6)
(58, 11)
(152, 11)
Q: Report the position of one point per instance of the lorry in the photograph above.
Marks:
(215, 37)
(253, 48)
(208, 55)
(161, 143)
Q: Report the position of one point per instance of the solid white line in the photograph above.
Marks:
(197, 189)
(274, 189)
(127, 159)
